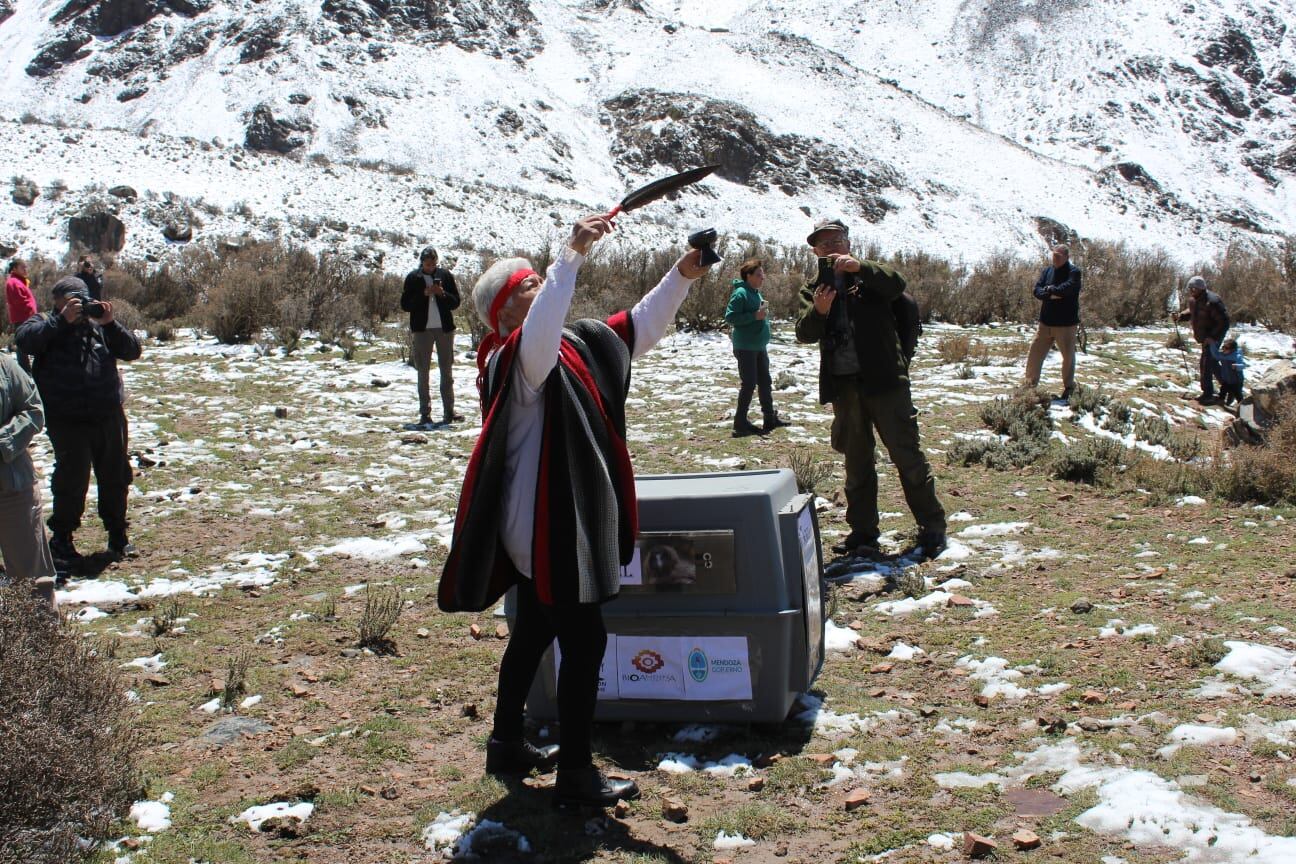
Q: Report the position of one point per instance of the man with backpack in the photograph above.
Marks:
(856, 310)
(1058, 290)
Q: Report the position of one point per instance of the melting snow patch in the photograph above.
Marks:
(250, 702)
(148, 664)
(901, 651)
(697, 733)
(89, 613)
(682, 763)
(735, 841)
(210, 707)
(153, 816)
(944, 842)
(1273, 667)
(838, 638)
(490, 834)
(255, 817)
(1188, 735)
(996, 529)
(1190, 501)
(1117, 627)
(444, 832)
(369, 549)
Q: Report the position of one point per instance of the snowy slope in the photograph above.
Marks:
(934, 124)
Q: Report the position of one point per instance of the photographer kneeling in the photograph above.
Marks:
(75, 350)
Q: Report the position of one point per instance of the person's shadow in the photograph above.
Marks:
(577, 834)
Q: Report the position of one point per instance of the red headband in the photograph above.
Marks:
(507, 291)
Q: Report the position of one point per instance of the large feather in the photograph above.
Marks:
(661, 188)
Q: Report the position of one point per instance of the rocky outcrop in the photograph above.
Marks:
(500, 28)
(25, 192)
(6, 10)
(1053, 232)
(267, 133)
(96, 232)
(684, 130)
(83, 20)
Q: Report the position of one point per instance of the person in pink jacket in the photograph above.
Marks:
(20, 301)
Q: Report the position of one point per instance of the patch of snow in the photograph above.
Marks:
(1273, 667)
(256, 816)
(838, 638)
(153, 816)
(735, 841)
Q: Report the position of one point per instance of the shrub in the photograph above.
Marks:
(1119, 417)
(1264, 474)
(68, 769)
(235, 680)
(1023, 415)
(812, 473)
(961, 348)
(1091, 461)
(1087, 400)
(382, 608)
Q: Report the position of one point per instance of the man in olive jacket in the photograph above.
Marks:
(863, 373)
(430, 296)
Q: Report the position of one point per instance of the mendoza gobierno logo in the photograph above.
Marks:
(699, 667)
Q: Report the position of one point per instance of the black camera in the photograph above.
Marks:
(832, 279)
(90, 307)
(705, 240)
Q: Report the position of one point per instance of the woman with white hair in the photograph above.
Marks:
(548, 501)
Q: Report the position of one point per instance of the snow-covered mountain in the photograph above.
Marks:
(953, 126)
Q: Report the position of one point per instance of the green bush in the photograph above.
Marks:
(1092, 460)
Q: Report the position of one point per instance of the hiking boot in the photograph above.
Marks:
(120, 547)
(518, 757)
(1207, 400)
(772, 423)
(856, 547)
(929, 546)
(424, 420)
(1065, 395)
(746, 428)
(62, 549)
(452, 418)
(588, 787)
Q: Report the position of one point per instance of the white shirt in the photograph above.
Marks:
(536, 357)
(434, 312)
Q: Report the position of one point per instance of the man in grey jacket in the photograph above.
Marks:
(22, 534)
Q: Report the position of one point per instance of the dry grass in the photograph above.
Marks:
(68, 770)
(382, 608)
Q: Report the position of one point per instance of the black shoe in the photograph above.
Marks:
(1065, 395)
(859, 548)
(424, 420)
(120, 547)
(745, 429)
(928, 546)
(588, 786)
(452, 418)
(518, 757)
(773, 423)
(62, 549)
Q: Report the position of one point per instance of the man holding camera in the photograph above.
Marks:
(75, 350)
(864, 374)
(430, 296)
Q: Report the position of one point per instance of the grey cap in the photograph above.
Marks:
(827, 225)
(67, 285)
(1197, 282)
(428, 252)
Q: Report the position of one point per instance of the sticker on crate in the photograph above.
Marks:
(650, 667)
(694, 668)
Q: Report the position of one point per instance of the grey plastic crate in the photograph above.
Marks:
(721, 616)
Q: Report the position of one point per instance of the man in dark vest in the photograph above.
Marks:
(1058, 291)
(430, 296)
(548, 502)
(1209, 320)
(864, 374)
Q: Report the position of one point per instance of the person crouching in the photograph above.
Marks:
(553, 431)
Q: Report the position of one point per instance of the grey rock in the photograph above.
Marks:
(1082, 607)
(96, 232)
(230, 730)
(25, 192)
(267, 133)
(127, 193)
(178, 231)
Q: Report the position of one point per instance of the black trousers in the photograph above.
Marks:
(582, 637)
(79, 445)
(753, 374)
(1209, 370)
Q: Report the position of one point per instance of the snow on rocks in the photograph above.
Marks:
(153, 816)
(257, 816)
(731, 841)
(838, 638)
(1117, 627)
(1274, 668)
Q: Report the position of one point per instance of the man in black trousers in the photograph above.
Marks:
(430, 297)
(74, 361)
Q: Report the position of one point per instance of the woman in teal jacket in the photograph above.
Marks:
(748, 315)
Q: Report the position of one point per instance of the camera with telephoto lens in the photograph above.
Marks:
(90, 307)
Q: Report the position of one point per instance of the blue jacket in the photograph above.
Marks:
(1063, 283)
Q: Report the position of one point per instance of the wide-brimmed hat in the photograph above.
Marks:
(826, 225)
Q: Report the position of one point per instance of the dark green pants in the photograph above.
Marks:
(855, 416)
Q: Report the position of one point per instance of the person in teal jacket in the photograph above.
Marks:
(748, 315)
